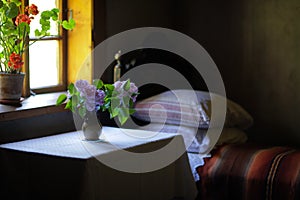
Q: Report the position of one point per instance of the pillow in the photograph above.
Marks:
(196, 140)
(179, 107)
(162, 110)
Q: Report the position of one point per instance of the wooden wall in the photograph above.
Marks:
(255, 44)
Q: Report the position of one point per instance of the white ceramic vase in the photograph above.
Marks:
(91, 128)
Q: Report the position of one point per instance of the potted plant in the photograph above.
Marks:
(86, 100)
(15, 21)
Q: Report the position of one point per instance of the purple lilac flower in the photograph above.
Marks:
(99, 97)
(134, 98)
(118, 85)
(132, 92)
(81, 85)
(133, 89)
(89, 92)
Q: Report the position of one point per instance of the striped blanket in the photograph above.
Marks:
(251, 172)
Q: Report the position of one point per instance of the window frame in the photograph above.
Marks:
(63, 46)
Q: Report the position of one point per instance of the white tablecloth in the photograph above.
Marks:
(65, 166)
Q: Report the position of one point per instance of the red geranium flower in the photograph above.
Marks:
(15, 61)
(22, 18)
(33, 9)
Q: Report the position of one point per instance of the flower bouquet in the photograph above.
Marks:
(86, 99)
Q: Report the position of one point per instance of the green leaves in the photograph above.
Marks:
(45, 22)
(61, 99)
(109, 87)
(17, 2)
(12, 10)
(24, 28)
(82, 111)
(9, 30)
(123, 115)
(54, 15)
(46, 14)
(127, 85)
(98, 83)
(121, 112)
(68, 24)
(121, 103)
(72, 89)
(69, 105)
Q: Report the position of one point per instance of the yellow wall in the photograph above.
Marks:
(80, 41)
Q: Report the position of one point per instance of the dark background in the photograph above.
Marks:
(255, 45)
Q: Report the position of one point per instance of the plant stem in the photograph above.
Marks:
(23, 39)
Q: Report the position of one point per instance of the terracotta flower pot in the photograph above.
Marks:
(11, 86)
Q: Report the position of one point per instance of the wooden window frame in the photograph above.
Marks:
(27, 91)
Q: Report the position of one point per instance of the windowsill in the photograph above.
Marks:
(32, 106)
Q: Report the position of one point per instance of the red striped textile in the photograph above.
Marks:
(251, 172)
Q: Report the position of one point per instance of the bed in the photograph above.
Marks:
(250, 171)
(232, 168)
(229, 168)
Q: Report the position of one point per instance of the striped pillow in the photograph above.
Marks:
(188, 108)
(173, 113)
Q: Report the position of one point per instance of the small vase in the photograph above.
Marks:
(91, 127)
(11, 86)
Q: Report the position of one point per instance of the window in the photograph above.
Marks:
(47, 56)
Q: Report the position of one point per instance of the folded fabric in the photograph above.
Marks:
(189, 108)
